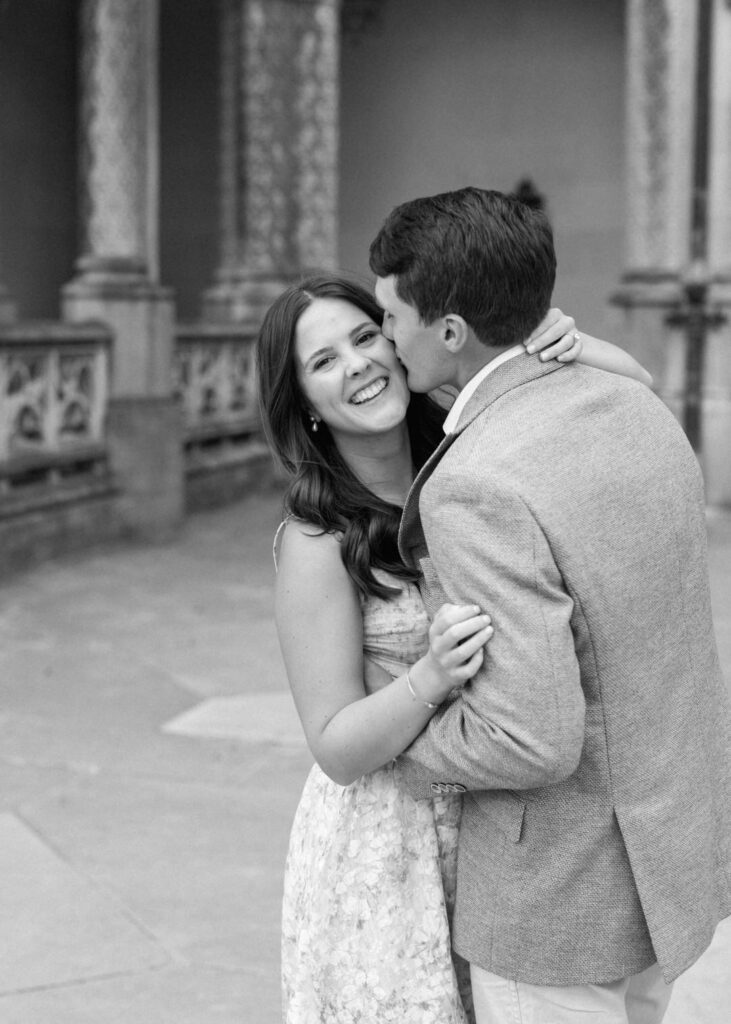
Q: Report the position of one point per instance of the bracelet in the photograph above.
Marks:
(416, 696)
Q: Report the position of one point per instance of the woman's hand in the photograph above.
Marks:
(555, 337)
(457, 638)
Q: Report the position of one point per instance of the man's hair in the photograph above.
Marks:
(483, 255)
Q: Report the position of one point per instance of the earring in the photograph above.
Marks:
(313, 424)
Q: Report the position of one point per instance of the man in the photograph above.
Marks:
(594, 853)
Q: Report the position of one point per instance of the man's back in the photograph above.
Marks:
(571, 508)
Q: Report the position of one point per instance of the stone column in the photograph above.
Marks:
(660, 60)
(279, 138)
(661, 56)
(117, 276)
(717, 389)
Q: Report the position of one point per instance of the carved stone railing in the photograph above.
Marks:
(54, 383)
(215, 384)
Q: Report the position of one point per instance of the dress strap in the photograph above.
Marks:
(278, 541)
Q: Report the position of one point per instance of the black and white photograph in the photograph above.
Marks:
(365, 511)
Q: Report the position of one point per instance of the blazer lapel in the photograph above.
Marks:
(410, 536)
(516, 372)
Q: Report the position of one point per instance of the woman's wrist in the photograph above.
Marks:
(427, 683)
(415, 696)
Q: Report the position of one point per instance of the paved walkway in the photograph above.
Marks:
(150, 764)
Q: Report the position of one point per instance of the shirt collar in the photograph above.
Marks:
(450, 423)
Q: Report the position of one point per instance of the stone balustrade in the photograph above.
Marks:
(54, 383)
(215, 384)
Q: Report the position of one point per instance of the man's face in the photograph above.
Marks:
(419, 347)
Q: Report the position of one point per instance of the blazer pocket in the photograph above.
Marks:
(503, 809)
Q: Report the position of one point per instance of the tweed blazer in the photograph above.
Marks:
(593, 742)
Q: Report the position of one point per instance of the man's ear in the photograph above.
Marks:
(455, 333)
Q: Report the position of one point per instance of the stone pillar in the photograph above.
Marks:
(717, 389)
(720, 184)
(661, 40)
(661, 55)
(117, 276)
(279, 140)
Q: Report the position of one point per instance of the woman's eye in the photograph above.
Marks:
(323, 361)
(366, 337)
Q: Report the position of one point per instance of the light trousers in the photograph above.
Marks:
(639, 999)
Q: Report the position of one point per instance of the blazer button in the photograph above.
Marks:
(457, 787)
(436, 787)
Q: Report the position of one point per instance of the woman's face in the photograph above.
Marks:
(348, 372)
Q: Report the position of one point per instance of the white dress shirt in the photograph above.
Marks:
(450, 423)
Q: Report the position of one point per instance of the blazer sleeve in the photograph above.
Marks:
(519, 723)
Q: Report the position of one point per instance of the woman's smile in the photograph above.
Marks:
(370, 391)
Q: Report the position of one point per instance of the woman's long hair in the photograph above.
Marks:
(322, 489)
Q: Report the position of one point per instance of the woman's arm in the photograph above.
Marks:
(320, 629)
(606, 356)
(556, 337)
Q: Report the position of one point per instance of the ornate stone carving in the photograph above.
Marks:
(117, 160)
(317, 141)
(279, 96)
(117, 274)
(269, 84)
(53, 392)
(215, 383)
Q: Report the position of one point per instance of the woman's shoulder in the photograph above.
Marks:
(297, 539)
(310, 570)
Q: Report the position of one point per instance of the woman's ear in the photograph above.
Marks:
(455, 333)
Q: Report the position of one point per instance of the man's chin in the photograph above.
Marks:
(411, 381)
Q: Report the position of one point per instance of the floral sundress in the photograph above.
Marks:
(370, 879)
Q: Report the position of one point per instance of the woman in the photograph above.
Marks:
(370, 873)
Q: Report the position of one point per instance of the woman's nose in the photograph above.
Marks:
(357, 363)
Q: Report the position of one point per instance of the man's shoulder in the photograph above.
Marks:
(575, 393)
(569, 422)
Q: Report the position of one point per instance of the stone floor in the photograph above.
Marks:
(150, 764)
